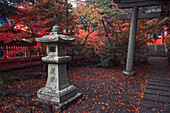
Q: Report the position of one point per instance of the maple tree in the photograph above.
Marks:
(35, 20)
(92, 27)
(87, 43)
(109, 39)
(95, 18)
(114, 34)
(87, 38)
(89, 16)
(110, 9)
(119, 33)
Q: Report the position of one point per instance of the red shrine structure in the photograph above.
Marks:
(160, 40)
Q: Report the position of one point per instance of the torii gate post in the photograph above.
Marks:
(132, 39)
(135, 4)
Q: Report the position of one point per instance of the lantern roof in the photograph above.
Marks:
(55, 36)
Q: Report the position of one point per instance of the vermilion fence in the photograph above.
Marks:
(5, 51)
(8, 62)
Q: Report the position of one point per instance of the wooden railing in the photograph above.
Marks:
(22, 60)
(5, 51)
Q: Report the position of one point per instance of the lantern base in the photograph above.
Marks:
(57, 96)
(60, 107)
(132, 73)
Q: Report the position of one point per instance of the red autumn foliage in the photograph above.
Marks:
(35, 20)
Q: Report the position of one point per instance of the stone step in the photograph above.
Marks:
(162, 99)
(145, 110)
(159, 81)
(160, 51)
(158, 87)
(158, 84)
(158, 78)
(154, 105)
(157, 92)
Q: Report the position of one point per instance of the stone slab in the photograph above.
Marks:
(56, 59)
(56, 95)
(157, 92)
(158, 78)
(159, 81)
(151, 48)
(60, 107)
(158, 88)
(145, 110)
(157, 98)
(158, 84)
(151, 105)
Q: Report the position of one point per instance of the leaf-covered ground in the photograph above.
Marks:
(104, 90)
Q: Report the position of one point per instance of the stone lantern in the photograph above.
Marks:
(57, 88)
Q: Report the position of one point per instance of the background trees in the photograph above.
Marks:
(98, 21)
(32, 20)
(98, 32)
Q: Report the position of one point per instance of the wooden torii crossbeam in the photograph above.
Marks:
(135, 4)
